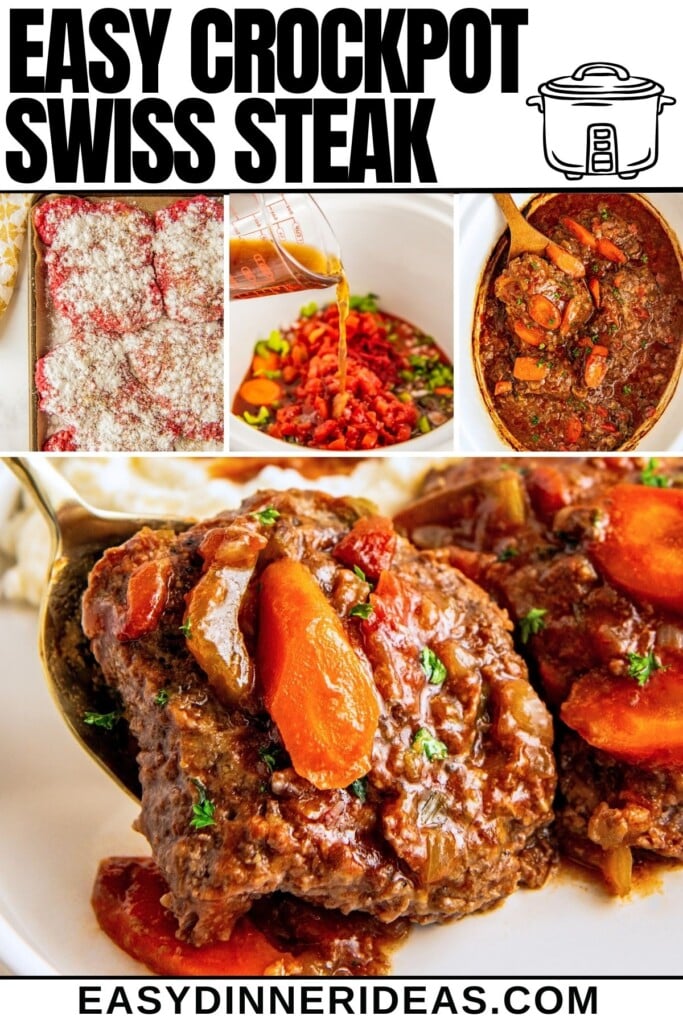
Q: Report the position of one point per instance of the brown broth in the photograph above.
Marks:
(257, 268)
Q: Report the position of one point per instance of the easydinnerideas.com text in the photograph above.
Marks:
(387, 999)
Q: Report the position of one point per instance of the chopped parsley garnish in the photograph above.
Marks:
(507, 553)
(262, 416)
(360, 574)
(364, 303)
(359, 788)
(432, 666)
(204, 811)
(266, 516)
(641, 666)
(102, 721)
(361, 611)
(651, 478)
(186, 629)
(627, 389)
(309, 309)
(644, 258)
(604, 213)
(424, 743)
(272, 756)
(534, 420)
(532, 623)
(162, 698)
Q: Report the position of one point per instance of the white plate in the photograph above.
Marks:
(60, 814)
(481, 225)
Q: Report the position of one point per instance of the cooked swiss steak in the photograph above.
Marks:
(325, 711)
(587, 557)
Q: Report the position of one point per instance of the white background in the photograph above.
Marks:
(486, 140)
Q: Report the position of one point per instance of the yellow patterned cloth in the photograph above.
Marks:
(14, 207)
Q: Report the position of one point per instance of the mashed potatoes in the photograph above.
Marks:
(173, 486)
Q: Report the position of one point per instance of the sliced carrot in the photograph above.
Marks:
(585, 343)
(595, 370)
(642, 550)
(443, 391)
(571, 315)
(529, 335)
(315, 687)
(594, 289)
(600, 350)
(564, 260)
(579, 232)
(610, 251)
(260, 391)
(529, 368)
(544, 312)
(265, 364)
(548, 491)
(126, 899)
(502, 387)
(639, 724)
(317, 332)
(573, 429)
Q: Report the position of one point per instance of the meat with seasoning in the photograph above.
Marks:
(322, 710)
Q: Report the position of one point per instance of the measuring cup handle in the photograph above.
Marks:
(587, 69)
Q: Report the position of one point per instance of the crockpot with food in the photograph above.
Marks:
(582, 353)
(600, 120)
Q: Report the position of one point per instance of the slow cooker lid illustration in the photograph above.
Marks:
(601, 81)
(590, 128)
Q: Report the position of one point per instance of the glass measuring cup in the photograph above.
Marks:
(280, 242)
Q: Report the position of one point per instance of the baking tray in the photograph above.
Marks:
(39, 333)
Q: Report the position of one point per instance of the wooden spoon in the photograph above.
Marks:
(80, 533)
(523, 238)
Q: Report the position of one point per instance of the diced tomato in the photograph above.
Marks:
(146, 598)
(370, 545)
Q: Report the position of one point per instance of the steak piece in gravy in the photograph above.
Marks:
(584, 555)
(452, 806)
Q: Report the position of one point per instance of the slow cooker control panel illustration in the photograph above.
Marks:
(600, 120)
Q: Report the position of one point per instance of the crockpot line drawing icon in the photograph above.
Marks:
(600, 120)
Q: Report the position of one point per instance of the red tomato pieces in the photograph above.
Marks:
(639, 724)
(146, 599)
(370, 545)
